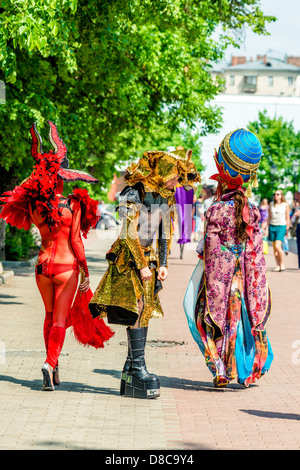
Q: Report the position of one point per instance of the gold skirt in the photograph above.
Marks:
(121, 288)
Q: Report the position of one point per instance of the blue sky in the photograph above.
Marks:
(240, 110)
(285, 32)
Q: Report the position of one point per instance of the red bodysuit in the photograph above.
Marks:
(60, 221)
(61, 254)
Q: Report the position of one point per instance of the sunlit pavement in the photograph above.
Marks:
(87, 412)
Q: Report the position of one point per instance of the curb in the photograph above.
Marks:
(6, 267)
(20, 264)
(6, 276)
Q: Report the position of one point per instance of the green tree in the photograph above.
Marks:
(281, 150)
(106, 72)
(113, 76)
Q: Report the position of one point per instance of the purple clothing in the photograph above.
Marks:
(220, 262)
(184, 206)
(264, 214)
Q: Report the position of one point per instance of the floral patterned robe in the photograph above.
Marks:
(220, 260)
(233, 303)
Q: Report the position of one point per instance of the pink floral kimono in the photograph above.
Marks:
(228, 302)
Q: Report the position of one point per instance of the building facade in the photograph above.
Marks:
(265, 76)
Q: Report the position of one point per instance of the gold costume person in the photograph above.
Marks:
(128, 292)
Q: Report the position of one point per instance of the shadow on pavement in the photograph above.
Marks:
(177, 382)
(183, 264)
(166, 382)
(59, 445)
(96, 259)
(280, 273)
(203, 386)
(6, 296)
(64, 387)
(272, 414)
(114, 373)
(190, 446)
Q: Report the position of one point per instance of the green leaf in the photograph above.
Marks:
(22, 29)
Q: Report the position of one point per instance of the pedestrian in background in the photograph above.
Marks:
(209, 198)
(295, 220)
(198, 216)
(264, 215)
(278, 227)
(106, 218)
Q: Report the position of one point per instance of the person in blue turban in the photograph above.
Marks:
(228, 301)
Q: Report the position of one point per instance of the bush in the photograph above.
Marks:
(19, 244)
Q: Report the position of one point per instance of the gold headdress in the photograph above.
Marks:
(155, 168)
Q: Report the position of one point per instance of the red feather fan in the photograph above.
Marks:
(87, 330)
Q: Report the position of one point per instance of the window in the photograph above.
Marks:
(250, 80)
(290, 81)
(270, 81)
(249, 85)
(231, 81)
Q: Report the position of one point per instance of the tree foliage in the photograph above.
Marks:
(281, 149)
(113, 75)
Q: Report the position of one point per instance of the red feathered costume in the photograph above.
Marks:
(60, 221)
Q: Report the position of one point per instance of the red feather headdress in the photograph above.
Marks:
(43, 185)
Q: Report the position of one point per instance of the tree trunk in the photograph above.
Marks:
(8, 181)
(2, 239)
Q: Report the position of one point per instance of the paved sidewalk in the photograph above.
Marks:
(87, 412)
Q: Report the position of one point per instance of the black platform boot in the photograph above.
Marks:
(138, 382)
(127, 366)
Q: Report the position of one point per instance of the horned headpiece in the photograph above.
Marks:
(43, 186)
(59, 155)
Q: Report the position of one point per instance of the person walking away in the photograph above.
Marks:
(198, 215)
(184, 208)
(60, 221)
(128, 292)
(295, 220)
(278, 227)
(228, 302)
(107, 219)
(210, 197)
(264, 215)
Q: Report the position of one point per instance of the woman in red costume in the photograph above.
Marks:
(60, 221)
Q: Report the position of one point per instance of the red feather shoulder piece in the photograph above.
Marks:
(15, 208)
(89, 217)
